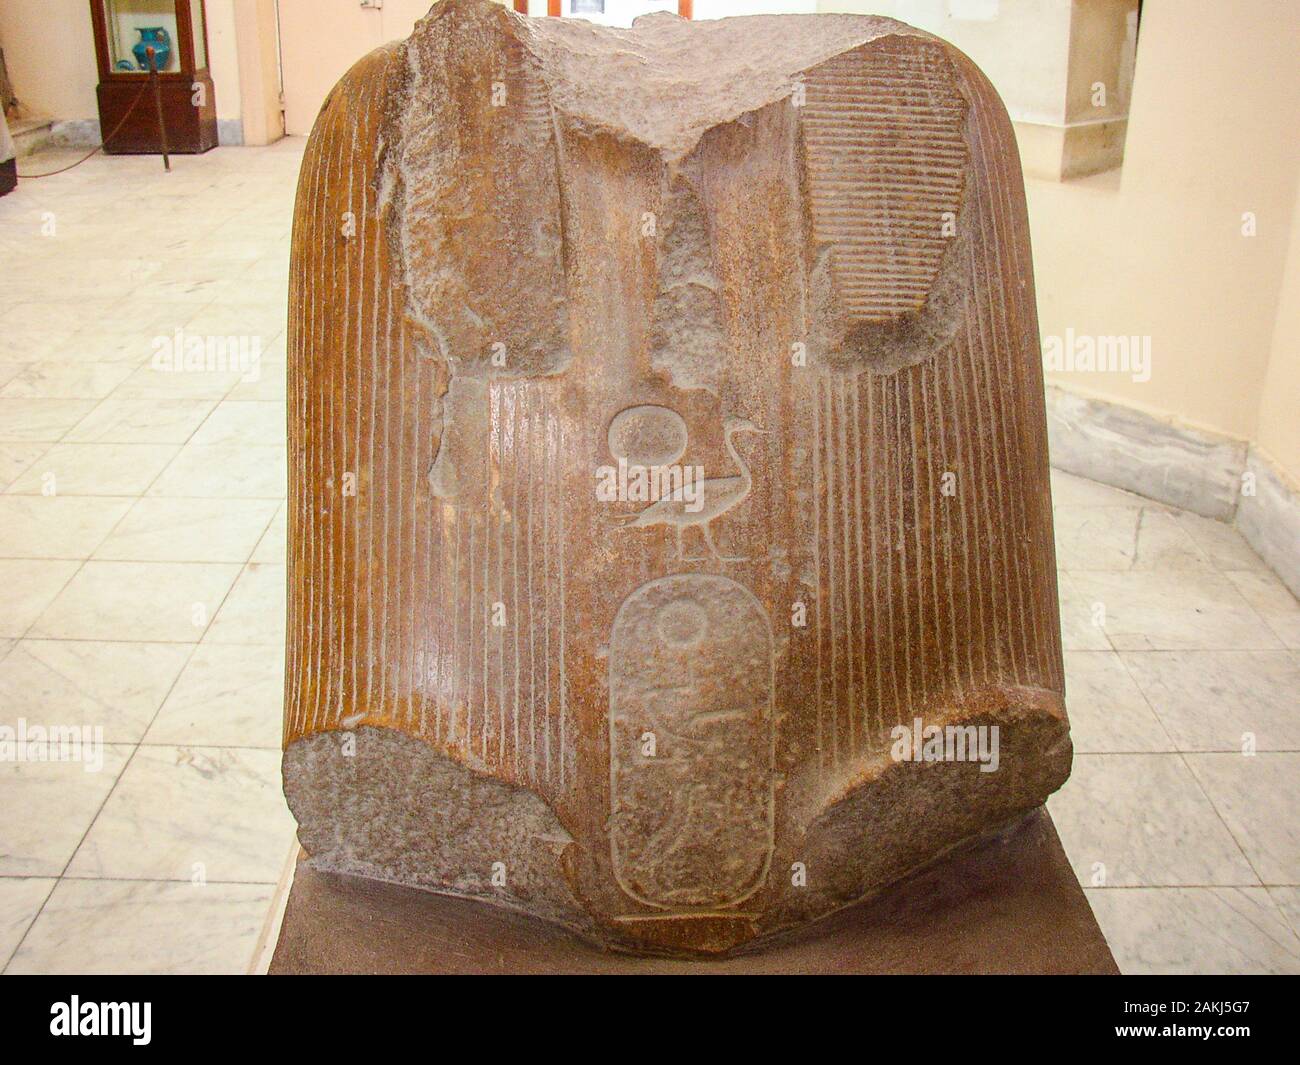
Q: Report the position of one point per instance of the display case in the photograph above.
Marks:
(134, 37)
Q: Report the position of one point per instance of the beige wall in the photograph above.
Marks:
(1156, 248)
(55, 81)
(1161, 251)
(321, 39)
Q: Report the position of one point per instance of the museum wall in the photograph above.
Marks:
(1159, 248)
(50, 54)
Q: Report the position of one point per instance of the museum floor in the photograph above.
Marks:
(142, 564)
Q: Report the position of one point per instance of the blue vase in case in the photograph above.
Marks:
(161, 42)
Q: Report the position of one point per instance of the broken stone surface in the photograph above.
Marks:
(670, 539)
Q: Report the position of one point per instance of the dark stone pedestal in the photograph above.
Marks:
(1011, 904)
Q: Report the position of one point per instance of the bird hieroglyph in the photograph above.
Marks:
(680, 512)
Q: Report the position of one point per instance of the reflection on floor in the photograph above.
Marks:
(142, 560)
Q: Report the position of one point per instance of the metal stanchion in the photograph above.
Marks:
(157, 99)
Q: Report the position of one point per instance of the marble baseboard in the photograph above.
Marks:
(1127, 448)
(230, 132)
(76, 133)
(1269, 519)
(29, 138)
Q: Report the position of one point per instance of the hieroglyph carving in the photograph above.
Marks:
(692, 742)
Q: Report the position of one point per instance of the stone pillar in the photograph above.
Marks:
(261, 114)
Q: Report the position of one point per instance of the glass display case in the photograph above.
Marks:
(134, 38)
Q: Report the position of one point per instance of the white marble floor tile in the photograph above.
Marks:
(254, 610)
(141, 421)
(243, 423)
(270, 384)
(1095, 537)
(30, 586)
(41, 419)
(1222, 544)
(21, 899)
(48, 808)
(245, 248)
(1272, 601)
(117, 687)
(183, 812)
(137, 927)
(1257, 797)
(147, 382)
(236, 292)
(262, 319)
(16, 459)
(243, 471)
(189, 530)
(1287, 900)
(1123, 538)
(1069, 491)
(97, 345)
(273, 546)
(1162, 543)
(227, 696)
(1141, 820)
(177, 292)
(1195, 931)
(200, 270)
(94, 469)
(39, 313)
(56, 526)
(1222, 700)
(1080, 618)
(1107, 711)
(61, 380)
(163, 602)
(128, 273)
(273, 268)
(147, 318)
(33, 345)
(1174, 610)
